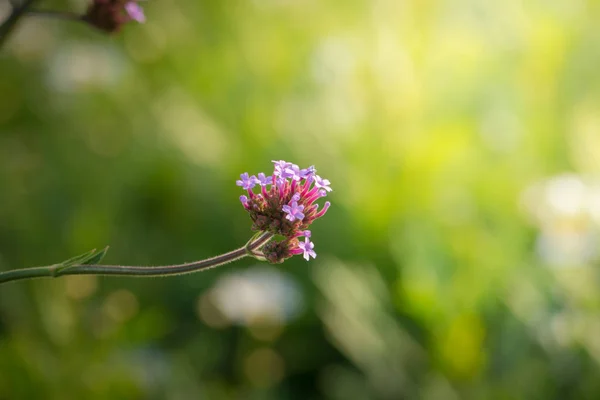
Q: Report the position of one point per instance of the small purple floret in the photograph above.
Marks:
(135, 12)
(307, 248)
(280, 167)
(307, 172)
(288, 173)
(322, 183)
(247, 182)
(294, 172)
(293, 211)
(280, 181)
(263, 180)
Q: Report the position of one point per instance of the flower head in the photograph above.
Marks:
(110, 15)
(285, 204)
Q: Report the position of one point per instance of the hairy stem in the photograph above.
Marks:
(253, 245)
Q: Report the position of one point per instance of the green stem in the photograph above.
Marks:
(253, 244)
(9, 24)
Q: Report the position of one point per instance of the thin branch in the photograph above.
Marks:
(253, 245)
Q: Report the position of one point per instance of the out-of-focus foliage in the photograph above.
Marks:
(459, 258)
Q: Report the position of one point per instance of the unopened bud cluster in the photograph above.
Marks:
(285, 205)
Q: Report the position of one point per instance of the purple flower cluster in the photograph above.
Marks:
(110, 15)
(285, 205)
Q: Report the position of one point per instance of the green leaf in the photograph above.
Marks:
(91, 257)
(96, 258)
(78, 259)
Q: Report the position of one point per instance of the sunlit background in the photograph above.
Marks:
(459, 259)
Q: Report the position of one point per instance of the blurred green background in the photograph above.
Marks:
(458, 259)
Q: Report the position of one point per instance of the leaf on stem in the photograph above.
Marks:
(91, 257)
